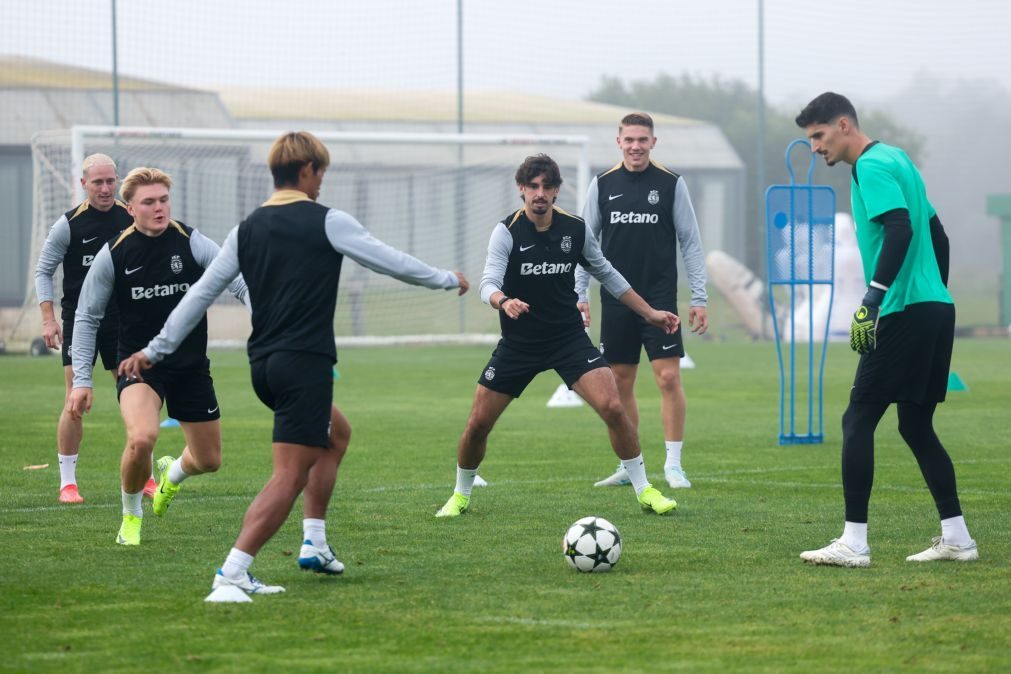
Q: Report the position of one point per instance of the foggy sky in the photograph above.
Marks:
(867, 49)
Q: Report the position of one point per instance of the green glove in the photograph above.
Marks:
(864, 327)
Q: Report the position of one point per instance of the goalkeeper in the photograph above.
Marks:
(903, 330)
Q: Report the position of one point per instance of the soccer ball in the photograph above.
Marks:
(592, 545)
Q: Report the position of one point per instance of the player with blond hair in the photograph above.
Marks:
(147, 270)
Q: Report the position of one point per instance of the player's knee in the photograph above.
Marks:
(141, 443)
(340, 438)
(208, 463)
(669, 380)
(478, 428)
(613, 413)
(914, 431)
(850, 425)
(290, 481)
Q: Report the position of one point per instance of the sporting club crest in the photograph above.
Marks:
(489, 374)
(653, 198)
(566, 244)
(176, 264)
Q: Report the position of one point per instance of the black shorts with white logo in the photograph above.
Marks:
(623, 333)
(187, 393)
(511, 369)
(912, 357)
(106, 341)
(299, 388)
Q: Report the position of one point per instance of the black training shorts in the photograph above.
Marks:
(299, 388)
(623, 334)
(511, 369)
(912, 357)
(188, 393)
(106, 343)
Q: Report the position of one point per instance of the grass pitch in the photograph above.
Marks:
(715, 587)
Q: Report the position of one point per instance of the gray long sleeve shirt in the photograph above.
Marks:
(345, 234)
(629, 223)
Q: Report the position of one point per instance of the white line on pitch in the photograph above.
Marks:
(721, 476)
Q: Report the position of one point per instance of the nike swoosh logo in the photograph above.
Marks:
(130, 271)
(524, 249)
(89, 240)
(593, 360)
(670, 346)
(612, 197)
(212, 411)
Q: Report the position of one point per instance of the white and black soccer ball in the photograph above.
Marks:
(592, 545)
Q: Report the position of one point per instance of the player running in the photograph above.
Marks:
(146, 271)
(290, 251)
(528, 278)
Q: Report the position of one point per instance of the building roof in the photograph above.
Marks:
(684, 143)
(38, 94)
(25, 72)
(421, 106)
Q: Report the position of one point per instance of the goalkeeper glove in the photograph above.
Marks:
(864, 327)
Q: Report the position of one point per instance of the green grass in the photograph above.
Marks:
(716, 587)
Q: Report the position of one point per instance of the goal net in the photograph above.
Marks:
(435, 196)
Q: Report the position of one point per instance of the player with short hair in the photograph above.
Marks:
(904, 330)
(528, 278)
(146, 271)
(73, 241)
(290, 251)
(641, 212)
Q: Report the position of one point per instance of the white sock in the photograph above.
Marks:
(236, 565)
(954, 532)
(465, 480)
(855, 535)
(131, 503)
(176, 474)
(636, 473)
(673, 454)
(68, 469)
(315, 532)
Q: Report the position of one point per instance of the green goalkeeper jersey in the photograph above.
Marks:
(885, 178)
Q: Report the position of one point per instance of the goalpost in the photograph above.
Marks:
(433, 195)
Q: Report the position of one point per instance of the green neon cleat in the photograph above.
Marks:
(652, 500)
(166, 490)
(129, 531)
(455, 506)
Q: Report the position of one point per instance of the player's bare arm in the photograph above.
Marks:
(464, 283)
(132, 367)
(52, 331)
(698, 320)
(79, 402)
(510, 306)
(662, 319)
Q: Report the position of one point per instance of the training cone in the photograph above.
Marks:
(480, 481)
(170, 423)
(687, 363)
(956, 383)
(228, 594)
(564, 397)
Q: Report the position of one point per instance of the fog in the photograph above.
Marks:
(941, 69)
